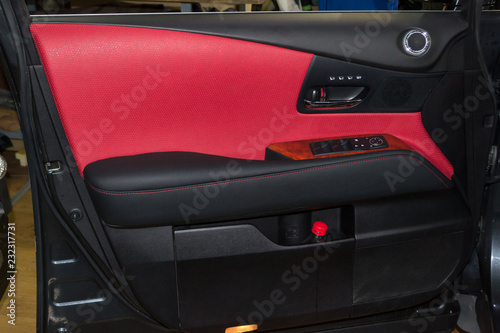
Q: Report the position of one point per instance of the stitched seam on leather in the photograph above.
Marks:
(263, 177)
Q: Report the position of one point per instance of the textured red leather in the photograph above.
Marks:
(124, 91)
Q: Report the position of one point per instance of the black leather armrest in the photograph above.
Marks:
(181, 187)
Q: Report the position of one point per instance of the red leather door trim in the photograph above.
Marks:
(124, 90)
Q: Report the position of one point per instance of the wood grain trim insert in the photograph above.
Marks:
(299, 150)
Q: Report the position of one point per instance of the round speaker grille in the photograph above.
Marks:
(416, 42)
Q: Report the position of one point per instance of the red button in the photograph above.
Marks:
(319, 228)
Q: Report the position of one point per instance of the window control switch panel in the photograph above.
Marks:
(338, 146)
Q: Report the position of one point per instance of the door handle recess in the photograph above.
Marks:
(334, 97)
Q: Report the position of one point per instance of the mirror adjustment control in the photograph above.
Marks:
(338, 146)
(375, 141)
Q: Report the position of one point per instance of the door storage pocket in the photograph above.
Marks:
(234, 275)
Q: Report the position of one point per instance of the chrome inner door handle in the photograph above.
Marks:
(332, 104)
(332, 97)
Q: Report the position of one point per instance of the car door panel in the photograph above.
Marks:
(149, 156)
(164, 126)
